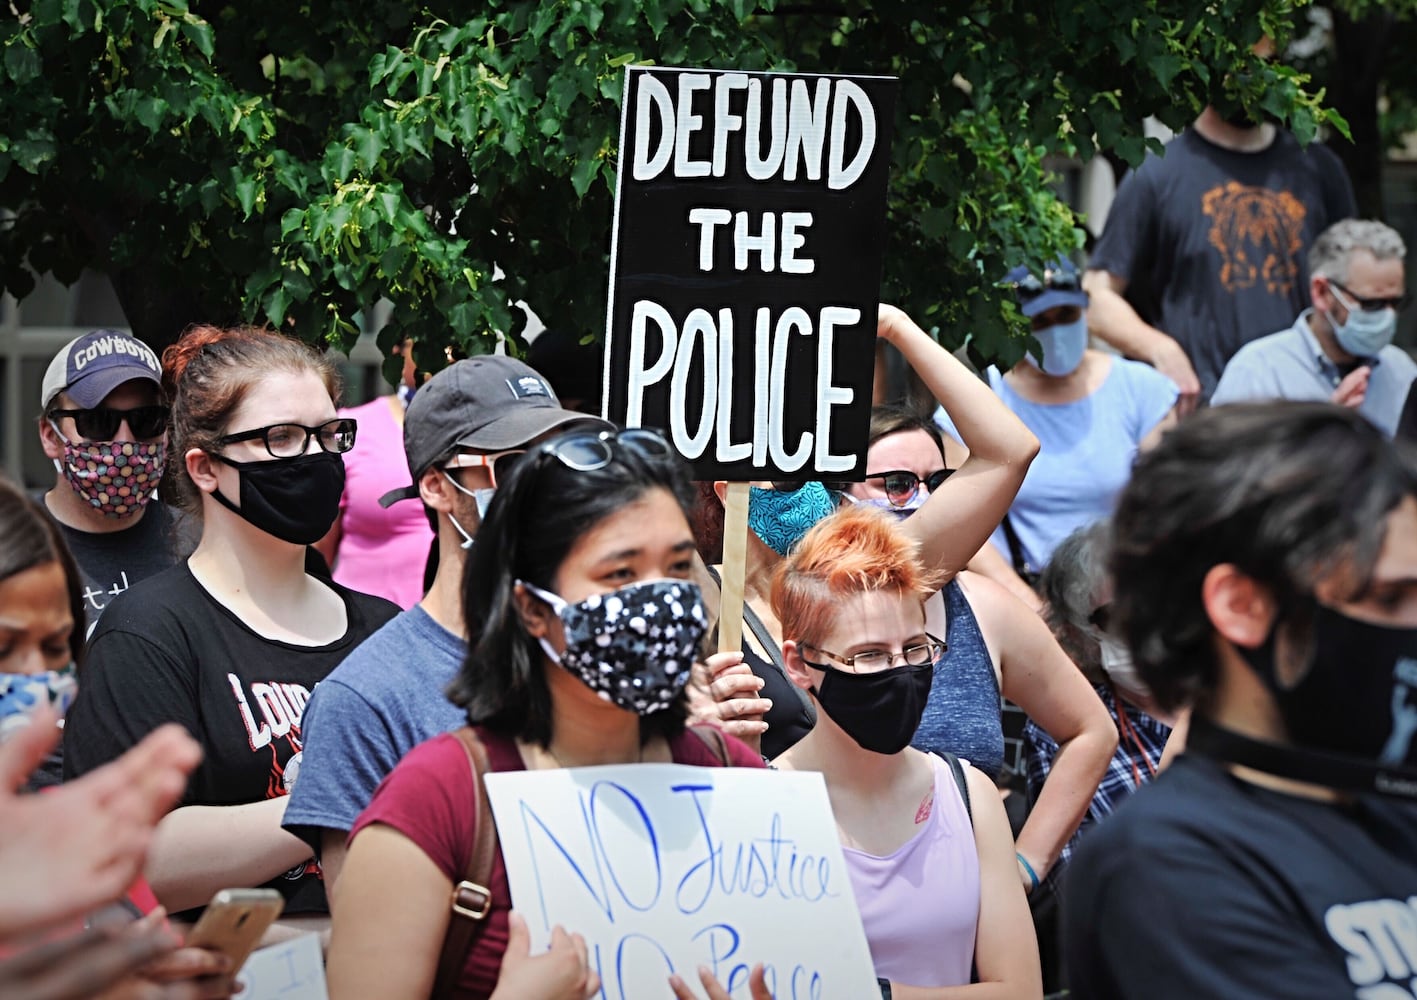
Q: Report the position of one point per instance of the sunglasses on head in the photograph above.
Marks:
(901, 486)
(102, 423)
(1029, 288)
(587, 451)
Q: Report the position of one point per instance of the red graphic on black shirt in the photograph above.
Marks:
(1259, 234)
(272, 716)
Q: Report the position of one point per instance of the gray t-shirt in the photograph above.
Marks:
(387, 697)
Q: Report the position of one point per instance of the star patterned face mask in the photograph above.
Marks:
(634, 646)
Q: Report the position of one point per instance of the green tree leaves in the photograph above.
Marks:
(294, 164)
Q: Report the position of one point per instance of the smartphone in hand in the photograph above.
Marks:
(235, 921)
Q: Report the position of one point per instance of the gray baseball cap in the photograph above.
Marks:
(487, 403)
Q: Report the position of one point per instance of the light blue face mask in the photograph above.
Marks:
(780, 518)
(22, 696)
(1063, 347)
(483, 499)
(1366, 333)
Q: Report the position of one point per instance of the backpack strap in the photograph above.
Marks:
(713, 739)
(472, 897)
(1020, 564)
(957, 769)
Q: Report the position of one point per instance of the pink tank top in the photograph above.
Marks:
(920, 904)
(381, 550)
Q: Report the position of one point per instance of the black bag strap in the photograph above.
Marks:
(957, 769)
(771, 649)
(472, 897)
(1020, 564)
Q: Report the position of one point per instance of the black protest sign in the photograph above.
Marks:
(746, 267)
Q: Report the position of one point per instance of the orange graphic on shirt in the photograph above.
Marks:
(1259, 234)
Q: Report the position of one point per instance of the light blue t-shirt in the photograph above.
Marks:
(1085, 453)
(387, 697)
(1290, 364)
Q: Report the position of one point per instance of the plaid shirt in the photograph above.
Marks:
(1139, 747)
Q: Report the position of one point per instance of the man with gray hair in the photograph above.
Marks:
(1340, 349)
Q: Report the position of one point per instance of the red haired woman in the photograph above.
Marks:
(230, 642)
(926, 840)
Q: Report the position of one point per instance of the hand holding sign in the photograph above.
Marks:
(665, 869)
(559, 973)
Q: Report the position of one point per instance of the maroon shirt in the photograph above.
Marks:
(430, 799)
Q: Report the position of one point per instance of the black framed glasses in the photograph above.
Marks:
(498, 464)
(102, 423)
(874, 660)
(1397, 302)
(901, 485)
(291, 440)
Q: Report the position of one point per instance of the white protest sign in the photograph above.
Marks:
(291, 970)
(664, 868)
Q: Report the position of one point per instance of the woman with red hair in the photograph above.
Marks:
(926, 841)
(230, 642)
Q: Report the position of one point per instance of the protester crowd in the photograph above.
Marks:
(294, 669)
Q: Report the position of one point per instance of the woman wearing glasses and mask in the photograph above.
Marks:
(1091, 411)
(231, 642)
(949, 528)
(558, 674)
(997, 646)
(925, 838)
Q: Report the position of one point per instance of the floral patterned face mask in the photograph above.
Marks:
(115, 477)
(634, 646)
(23, 695)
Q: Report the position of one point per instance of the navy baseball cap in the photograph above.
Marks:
(1061, 286)
(487, 403)
(88, 368)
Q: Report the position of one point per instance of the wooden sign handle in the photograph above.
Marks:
(735, 558)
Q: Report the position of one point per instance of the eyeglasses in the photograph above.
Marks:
(498, 464)
(873, 660)
(586, 451)
(1101, 617)
(1398, 302)
(901, 485)
(101, 424)
(291, 440)
(1029, 287)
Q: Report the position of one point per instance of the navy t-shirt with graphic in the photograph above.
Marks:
(1214, 243)
(1203, 885)
(167, 651)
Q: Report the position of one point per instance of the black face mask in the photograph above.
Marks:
(294, 499)
(1359, 694)
(880, 711)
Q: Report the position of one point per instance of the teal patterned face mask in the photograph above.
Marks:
(22, 696)
(780, 517)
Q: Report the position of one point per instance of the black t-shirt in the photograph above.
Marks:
(112, 561)
(167, 651)
(1214, 243)
(1203, 885)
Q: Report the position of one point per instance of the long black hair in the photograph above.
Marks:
(28, 538)
(539, 512)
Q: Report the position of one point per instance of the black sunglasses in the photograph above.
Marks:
(102, 423)
(901, 486)
(291, 440)
(1029, 288)
(587, 451)
(1398, 302)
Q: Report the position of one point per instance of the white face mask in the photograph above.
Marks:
(483, 498)
(1117, 663)
(1365, 334)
